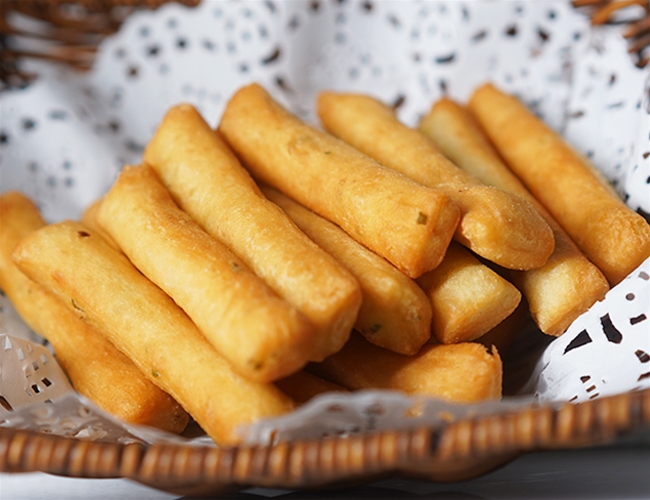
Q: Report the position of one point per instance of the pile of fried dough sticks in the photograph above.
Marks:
(236, 273)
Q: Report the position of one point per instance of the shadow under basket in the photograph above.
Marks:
(458, 451)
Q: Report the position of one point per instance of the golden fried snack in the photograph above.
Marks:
(462, 373)
(395, 313)
(303, 386)
(468, 298)
(261, 335)
(611, 235)
(407, 224)
(102, 286)
(568, 284)
(208, 182)
(497, 225)
(95, 367)
(89, 219)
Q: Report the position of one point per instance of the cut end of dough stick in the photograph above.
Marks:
(495, 224)
(568, 283)
(208, 182)
(611, 235)
(404, 222)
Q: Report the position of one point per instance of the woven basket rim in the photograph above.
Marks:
(460, 450)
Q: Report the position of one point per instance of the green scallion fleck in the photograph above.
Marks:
(76, 306)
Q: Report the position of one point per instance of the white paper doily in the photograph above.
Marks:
(64, 139)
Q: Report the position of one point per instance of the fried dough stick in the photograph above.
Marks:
(568, 284)
(395, 313)
(496, 225)
(463, 373)
(95, 367)
(612, 236)
(262, 336)
(89, 219)
(467, 297)
(208, 182)
(464, 297)
(102, 286)
(407, 224)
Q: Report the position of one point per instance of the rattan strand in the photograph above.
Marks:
(69, 31)
(637, 29)
(459, 451)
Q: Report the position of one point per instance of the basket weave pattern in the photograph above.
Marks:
(64, 30)
(636, 30)
(71, 30)
(460, 451)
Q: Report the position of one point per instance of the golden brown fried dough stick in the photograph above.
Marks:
(407, 224)
(95, 367)
(261, 335)
(102, 286)
(395, 313)
(89, 219)
(468, 298)
(497, 225)
(208, 182)
(611, 235)
(568, 284)
(463, 373)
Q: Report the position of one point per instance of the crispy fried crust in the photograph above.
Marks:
(94, 366)
(102, 286)
(497, 225)
(404, 222)
(464, 373)
(261, 335)
(395, 312)
(468, 298)
(208, 182)
(568, 284)
(611, 235)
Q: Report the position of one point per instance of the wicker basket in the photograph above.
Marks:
(636, 30)
(461, 450)
(71, 30)
(62, 30)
